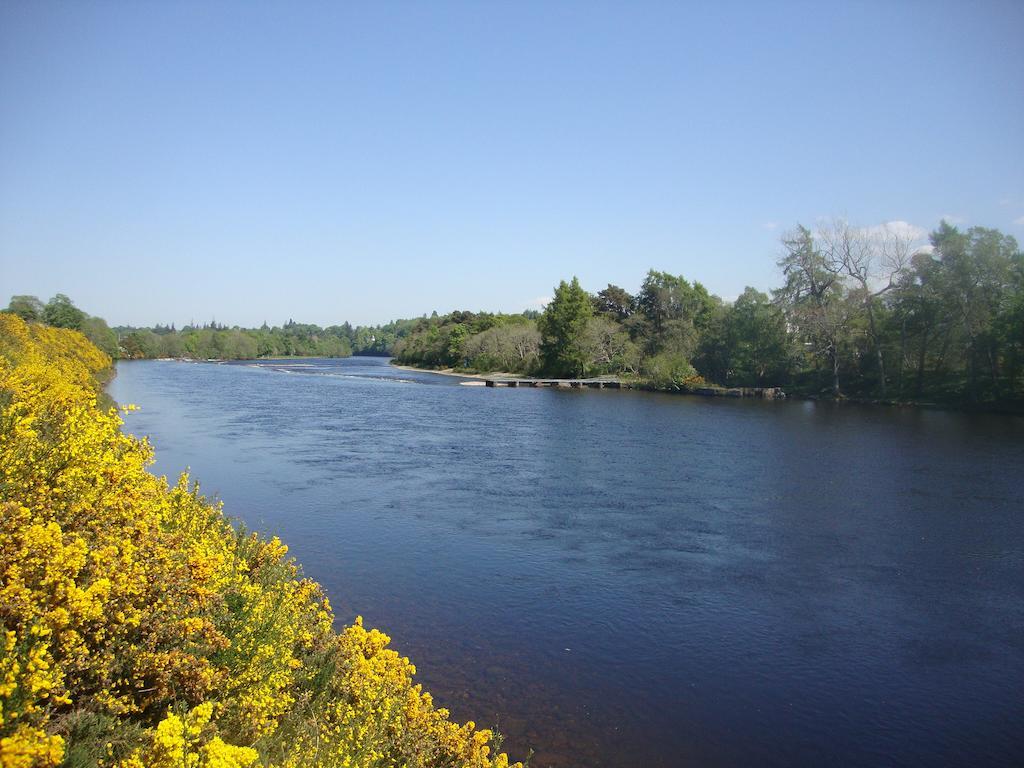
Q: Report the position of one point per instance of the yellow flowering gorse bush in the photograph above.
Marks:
(139, 629)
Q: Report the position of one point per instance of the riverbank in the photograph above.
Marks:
(514, 380)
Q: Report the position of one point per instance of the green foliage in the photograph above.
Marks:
(96, 330)
(671, 371)
(874, 317)
(214, 342)
(28, 308)
(747, 344)
(615, 302)
(456, 340)
(672, 313)
(509, 347)
(60, 312)
(816, 302)
(607, 349)
(959, 306)
(562, 328)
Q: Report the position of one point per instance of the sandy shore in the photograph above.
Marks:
(450, 372)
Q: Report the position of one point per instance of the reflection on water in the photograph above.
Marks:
(620, 578)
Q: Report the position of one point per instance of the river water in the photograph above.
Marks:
(633, 579)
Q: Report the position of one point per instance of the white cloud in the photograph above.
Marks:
(1019, 221)
(899, 228)
(951, 218)
(771, 225)
(540, 302)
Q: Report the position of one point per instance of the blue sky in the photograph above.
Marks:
(164, 162)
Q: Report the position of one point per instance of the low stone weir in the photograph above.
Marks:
(765, 393)
(561, 383)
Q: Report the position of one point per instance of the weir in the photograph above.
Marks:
(560, 383)
(765, 393)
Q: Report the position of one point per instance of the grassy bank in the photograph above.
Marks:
(139, 629)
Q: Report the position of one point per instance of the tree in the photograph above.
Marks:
(513, 347)
(562, 327)
(758, 341)
(171, 345)
(978, 268)
(61, 312)
(917, 304)
(142, 344)
(98, 332)
(814, 300)
(457, 336)
(28, 308)
(1009, 327)
(608, 348)
(874, 260)
(615, 302)
(672, 312)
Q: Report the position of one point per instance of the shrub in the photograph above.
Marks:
(671, 371)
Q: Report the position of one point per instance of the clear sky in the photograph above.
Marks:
(164, 162)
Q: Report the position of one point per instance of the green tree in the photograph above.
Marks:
(1009, 327)
(608, 348)
(512, 347)
(748, 345)
(562, 328)
(917, 305)
(815, 301)
(98, 332)
(28, 308)
(672, 314)
(61, 312)
(670, 370)
(757, 332)
(171, 345)
(615, 302)
(979, 275)
(457, 336)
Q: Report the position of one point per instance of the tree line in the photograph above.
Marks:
(211, 340)
(862, 312)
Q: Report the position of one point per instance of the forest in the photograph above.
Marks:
(860, 313)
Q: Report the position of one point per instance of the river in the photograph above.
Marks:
(618, 578)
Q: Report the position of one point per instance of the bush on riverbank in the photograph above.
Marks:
(139, 629)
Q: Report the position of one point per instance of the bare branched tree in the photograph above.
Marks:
(872, 261)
